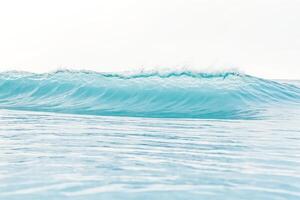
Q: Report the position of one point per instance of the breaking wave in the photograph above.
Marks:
(182, 94)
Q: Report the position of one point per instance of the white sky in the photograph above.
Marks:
(260, 37)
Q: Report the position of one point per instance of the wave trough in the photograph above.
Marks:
(184, 94)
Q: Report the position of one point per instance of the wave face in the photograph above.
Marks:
(185, 94)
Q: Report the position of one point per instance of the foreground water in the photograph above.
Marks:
(57, 156)
(184, 135)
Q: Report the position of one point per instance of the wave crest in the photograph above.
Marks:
(180, 94)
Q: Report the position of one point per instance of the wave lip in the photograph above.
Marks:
(181, 94)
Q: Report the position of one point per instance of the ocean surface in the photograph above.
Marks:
(148, 135)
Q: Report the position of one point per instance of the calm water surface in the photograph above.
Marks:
(60, 156)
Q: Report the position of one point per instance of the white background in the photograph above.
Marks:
(259, 37)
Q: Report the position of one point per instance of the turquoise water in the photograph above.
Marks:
(180, 135)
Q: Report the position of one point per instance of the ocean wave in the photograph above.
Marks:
(171, 94)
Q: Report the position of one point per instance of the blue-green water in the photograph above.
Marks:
(184, 135)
